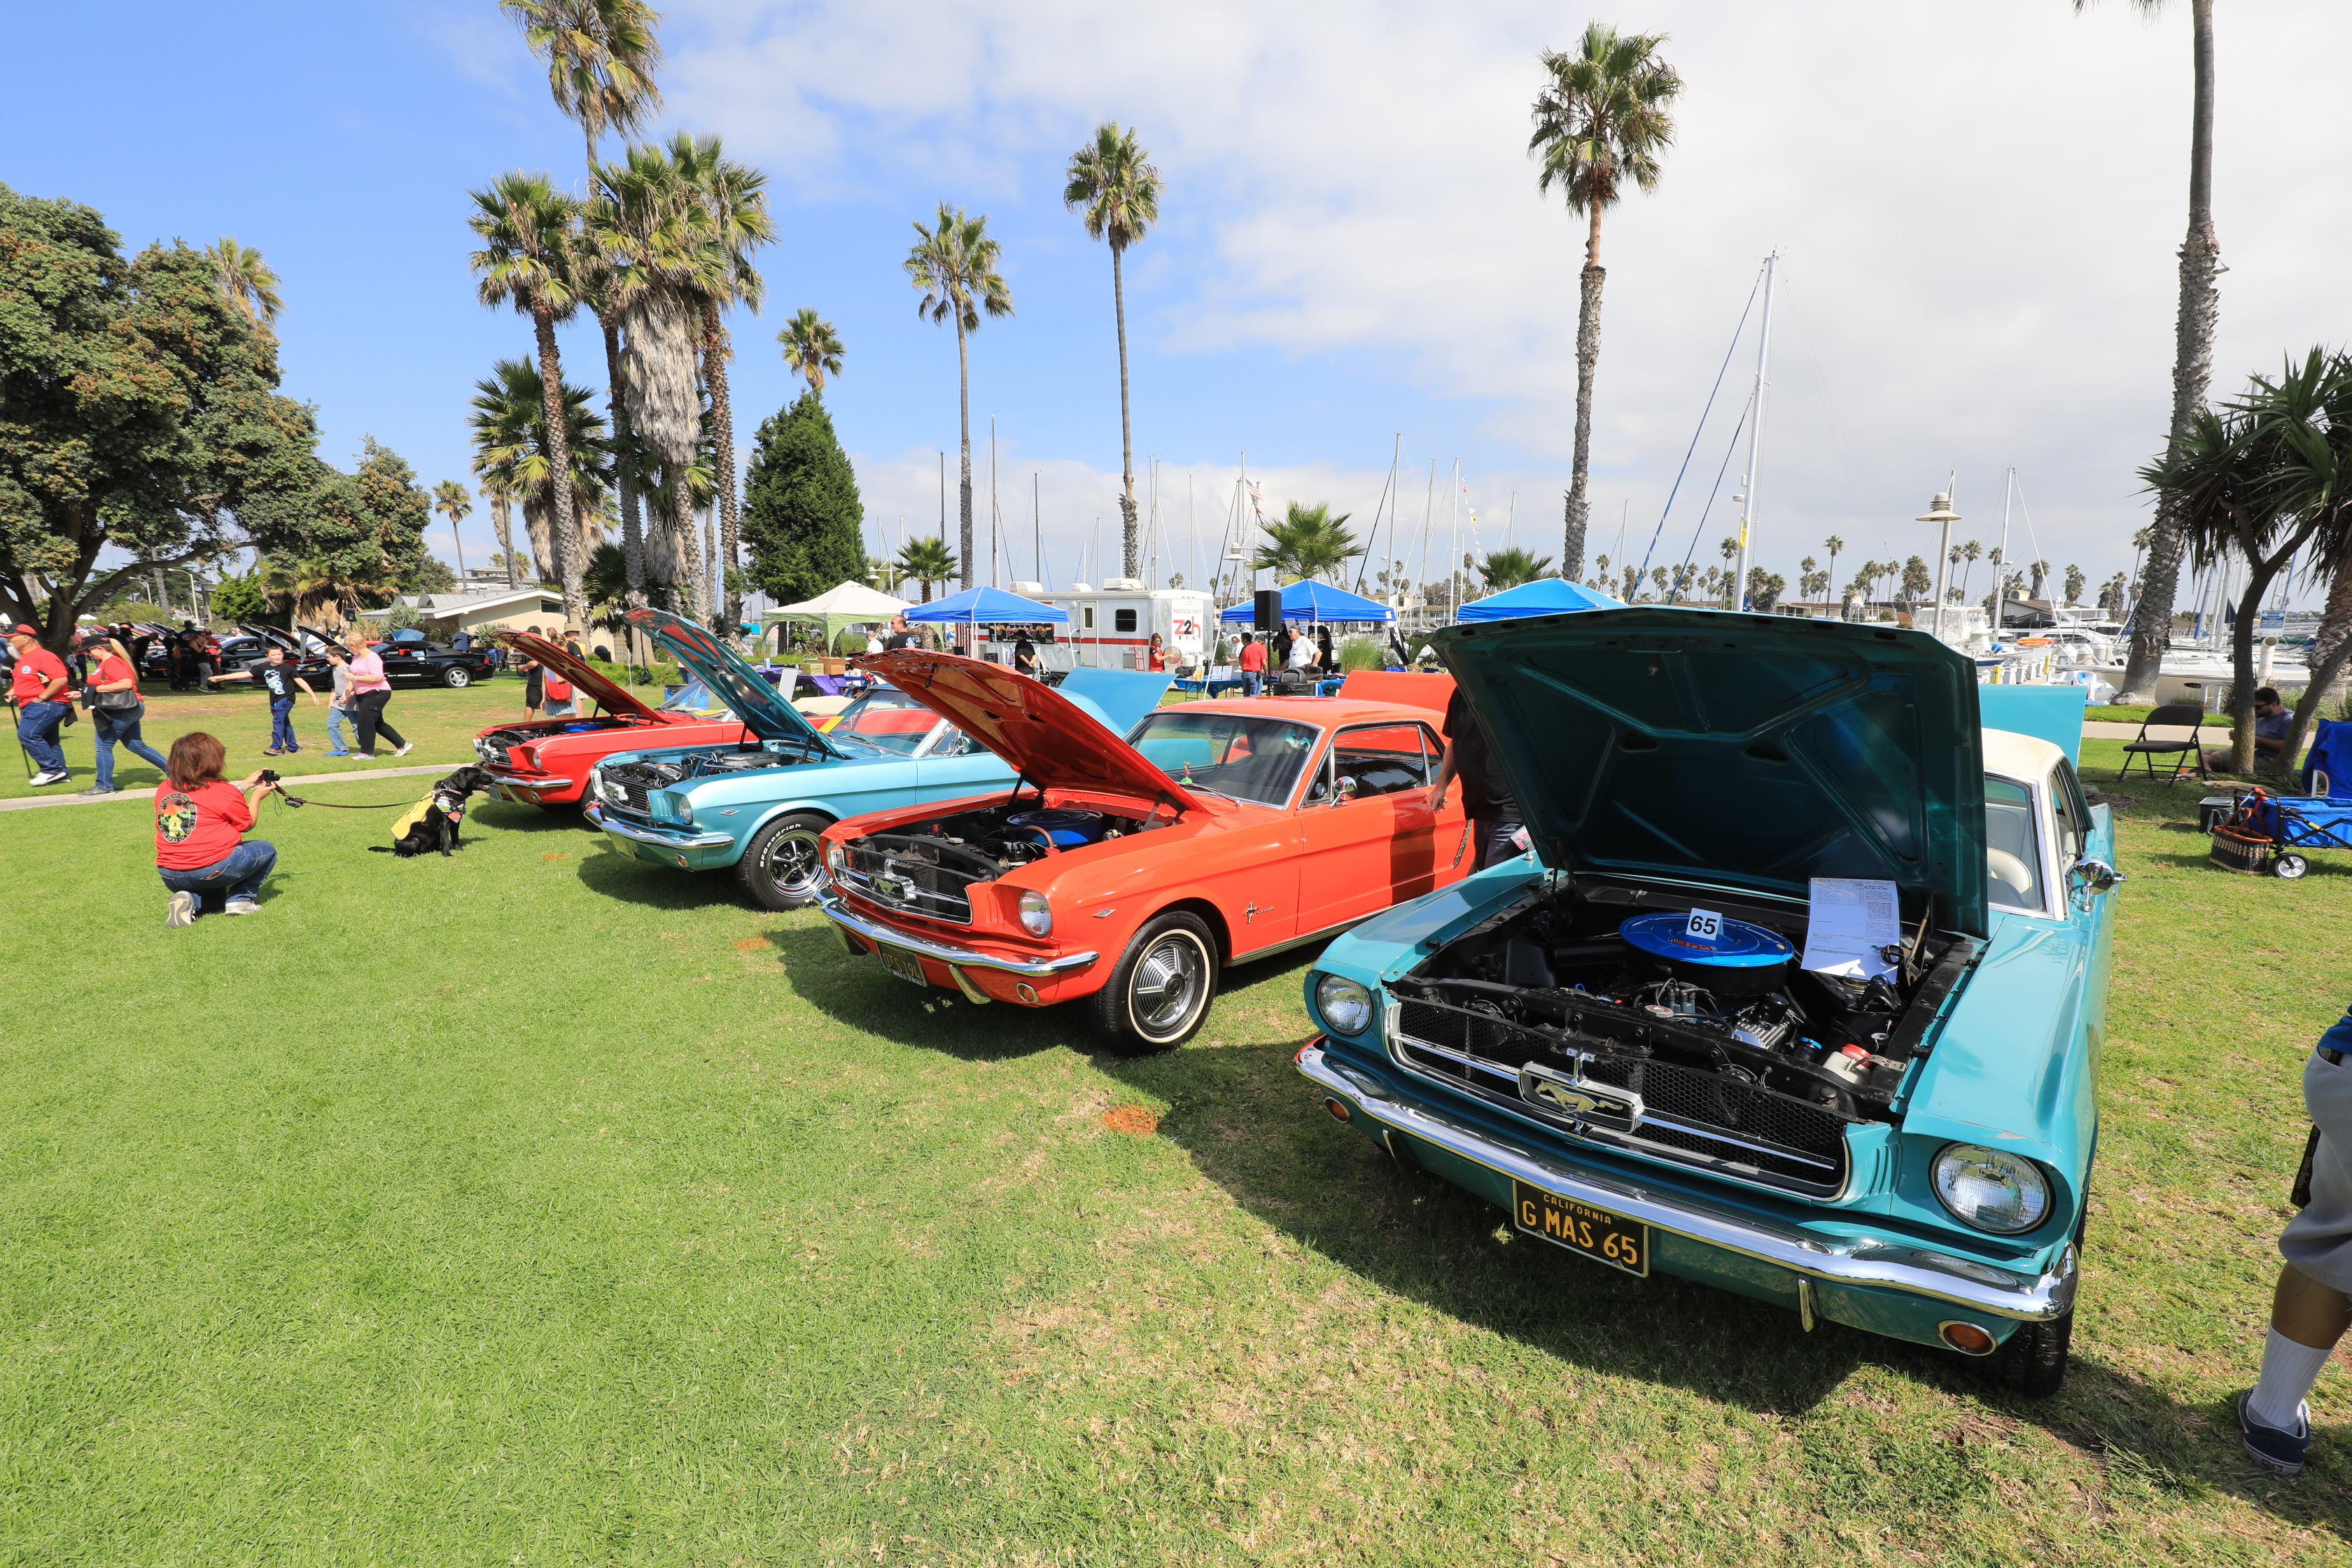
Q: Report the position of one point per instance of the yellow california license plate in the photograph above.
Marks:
(1596, 1232)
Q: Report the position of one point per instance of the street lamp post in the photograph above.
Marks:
(1940, 510)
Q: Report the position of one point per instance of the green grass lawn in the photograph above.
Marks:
(537, 1206)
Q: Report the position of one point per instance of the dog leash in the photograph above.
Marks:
(293, 800)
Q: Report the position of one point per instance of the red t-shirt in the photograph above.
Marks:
(33, 673)
(111, 669)
(1253, 657)
(195, 828)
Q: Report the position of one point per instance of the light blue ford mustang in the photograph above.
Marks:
(1800, 992)
(757, 807)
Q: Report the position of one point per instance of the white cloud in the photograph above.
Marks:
(1977, 208)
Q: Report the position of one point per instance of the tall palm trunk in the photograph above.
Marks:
(665, 413)
(633, 541)
(571, 559)
(715, 355)
(2192, 366)
(1588, 356)
(963, 400)
(502, 523)
(1126, 430)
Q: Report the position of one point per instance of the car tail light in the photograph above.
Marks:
(1967, 1337)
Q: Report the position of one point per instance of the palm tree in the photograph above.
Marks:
(496, 490)
(515, 458)
(311, 584)
(1307, 542)
(1729, 550)
(1509, 568)
(1600, 120)
(601, 56)
(1114, 187)
(248, 281)
(1969, 554)
(526, 227)
(953, 263)
(927, 561)
(654, 234)
(811, 348)
(1833, 544)
(452, 500)
(2192, 363)
(733, 203)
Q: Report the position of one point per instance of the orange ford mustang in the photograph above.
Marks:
(1126, 873)
(545, 761)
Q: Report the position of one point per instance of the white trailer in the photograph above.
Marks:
(1112, 627)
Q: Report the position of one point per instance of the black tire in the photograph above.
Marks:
(2034, 1361)
(456, 676)
(784, 865)
(1159, 994)
(2290, 865)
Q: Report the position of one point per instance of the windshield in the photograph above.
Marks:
(888, 717)
(2012, 855)
(1249, 759)
(693, 697)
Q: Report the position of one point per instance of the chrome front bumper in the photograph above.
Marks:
(1858, 1261)
(845, 921)
(665, 838)
(528, 781)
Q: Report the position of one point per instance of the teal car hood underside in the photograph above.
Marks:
(768, 711)
(1744, 751)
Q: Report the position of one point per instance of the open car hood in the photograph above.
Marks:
(1045, 732)
(1747, 751)
(765, 711)
(610, 695)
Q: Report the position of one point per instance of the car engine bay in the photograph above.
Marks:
(929, 865)
(1576, 1008)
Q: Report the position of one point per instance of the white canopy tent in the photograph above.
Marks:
(847, 603)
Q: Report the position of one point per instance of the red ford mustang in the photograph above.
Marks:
(546, 762)
(1128, 872)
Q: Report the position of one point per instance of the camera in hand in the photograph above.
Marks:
(269, 775)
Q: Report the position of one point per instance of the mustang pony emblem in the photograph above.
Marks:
(1566, 1096)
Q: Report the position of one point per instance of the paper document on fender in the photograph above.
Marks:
(1853, 924)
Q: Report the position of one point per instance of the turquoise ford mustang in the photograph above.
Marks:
(758, 806)
(1800, 992)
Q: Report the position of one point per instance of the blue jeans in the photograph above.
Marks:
(123, 728)
(1250, 679)
(336, 719)
(36, 731)
(237, 877)
(281, 724)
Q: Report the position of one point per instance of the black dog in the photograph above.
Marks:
(431, 823)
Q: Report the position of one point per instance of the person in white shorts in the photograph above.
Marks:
(2311, 1305)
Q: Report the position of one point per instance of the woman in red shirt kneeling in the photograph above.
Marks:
(200, 823)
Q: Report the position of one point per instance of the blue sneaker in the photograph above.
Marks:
(339, 753)
(2280, 1453)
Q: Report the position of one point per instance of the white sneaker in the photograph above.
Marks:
(181, 911)
(50, 778)
(403, 747)
(244, 907)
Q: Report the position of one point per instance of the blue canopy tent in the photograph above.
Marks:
(1311, 601)
(988, 606)
(1547, 596)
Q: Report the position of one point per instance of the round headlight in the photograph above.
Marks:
(1036, 918)
(685, 809)
(1345, 1006)
(1990, 1190)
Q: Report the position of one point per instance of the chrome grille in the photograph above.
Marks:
(622, 786)
(899, 878)
(1688, 1115)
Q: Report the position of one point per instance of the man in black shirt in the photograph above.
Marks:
(899, 636)
(1486, 792)
(1025, 654)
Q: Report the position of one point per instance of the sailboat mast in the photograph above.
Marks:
(2000, 572)
(1755, 439)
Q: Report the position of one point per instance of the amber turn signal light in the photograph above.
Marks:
(1338, 1109)
(1968, 1339)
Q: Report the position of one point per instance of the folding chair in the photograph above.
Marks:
(2171, 715)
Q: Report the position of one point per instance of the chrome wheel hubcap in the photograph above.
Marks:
(794, 863)
(1167, 985)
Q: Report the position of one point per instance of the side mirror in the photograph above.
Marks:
(1346, 791)
(2087, 879)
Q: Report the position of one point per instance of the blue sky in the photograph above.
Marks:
(1977, 208)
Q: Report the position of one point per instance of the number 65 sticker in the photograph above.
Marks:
(1706, 925)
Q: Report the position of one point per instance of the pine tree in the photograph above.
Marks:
(803, 526)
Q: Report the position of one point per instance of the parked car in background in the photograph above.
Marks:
(757, 804)
(1133, 870)
(547, 762)
(1802, 998)
(411, 659)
